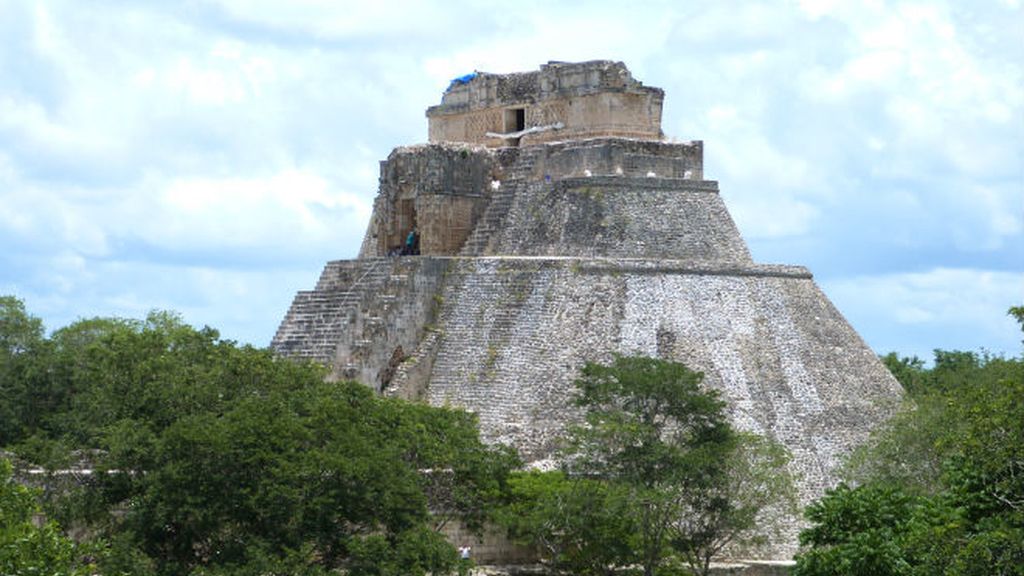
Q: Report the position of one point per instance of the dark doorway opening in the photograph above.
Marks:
(515, 121)
(403, 224)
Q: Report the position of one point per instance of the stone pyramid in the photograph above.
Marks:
(555, 225)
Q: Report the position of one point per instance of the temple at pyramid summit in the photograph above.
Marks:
(548, 222)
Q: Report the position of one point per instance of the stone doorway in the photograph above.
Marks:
(403, 222)
(515, 121)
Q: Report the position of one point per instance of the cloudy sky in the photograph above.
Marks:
(208, 156)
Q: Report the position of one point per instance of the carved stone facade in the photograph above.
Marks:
(538, 258)
(561, 101)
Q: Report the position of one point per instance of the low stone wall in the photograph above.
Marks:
(739, 568)
(492, 546)
(622, 157)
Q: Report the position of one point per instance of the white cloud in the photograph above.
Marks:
(774, 217)
(255, 212)
(152, 156)
(817, 8)
(933, 78)
(330, 19)
(957, 308)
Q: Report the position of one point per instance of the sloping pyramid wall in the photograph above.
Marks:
(585, 250)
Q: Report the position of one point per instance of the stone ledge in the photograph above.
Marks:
(650, 183)
(640, 266)
(632, 266)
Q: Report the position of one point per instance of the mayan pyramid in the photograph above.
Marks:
(556, 225)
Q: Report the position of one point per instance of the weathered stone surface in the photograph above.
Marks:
(539, 258)
(622, 217)
(365, 316)
(587, 99)
(516, 331)
(439, 190)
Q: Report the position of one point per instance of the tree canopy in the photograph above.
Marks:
(214, 458)
(27, 548)
(655, 473)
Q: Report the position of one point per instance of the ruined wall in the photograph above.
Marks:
(590, 99)
(453, 192)
(621, 157)
(514, 333)
(440, 189)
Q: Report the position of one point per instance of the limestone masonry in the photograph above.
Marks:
(555, 226)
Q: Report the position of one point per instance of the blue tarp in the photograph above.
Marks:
(462, 80)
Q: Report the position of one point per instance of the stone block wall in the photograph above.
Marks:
(622, 157)
(470, 126)
(513, 333)
(445, 221)
(621, 217)
(447, 192)
(490, 547)
(589, 99)
(440, 189)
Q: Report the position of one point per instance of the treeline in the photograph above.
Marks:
(206, 457)
(210, 458)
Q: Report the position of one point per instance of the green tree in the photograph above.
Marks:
(580, 526)
(753, 497)
(954, 460)
(909, 372)
(856, 532)
(330, 468)
(27, 548)
(214, 458)
(669, 465)
(22, 377)
(651, 429)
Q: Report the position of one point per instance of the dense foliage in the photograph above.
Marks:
(939, 491)
(211, 458)
(27, 548)
(654, 476)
